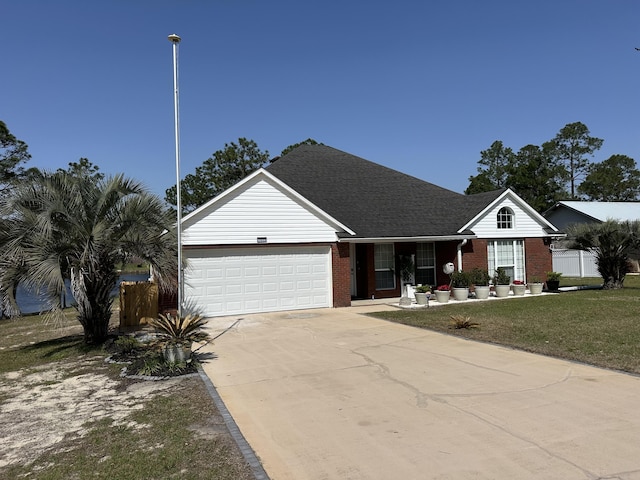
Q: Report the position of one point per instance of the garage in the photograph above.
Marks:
(232, 281)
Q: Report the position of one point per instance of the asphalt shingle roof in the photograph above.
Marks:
(373, 200)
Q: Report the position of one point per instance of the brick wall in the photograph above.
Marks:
(539, 259)
(341, 267)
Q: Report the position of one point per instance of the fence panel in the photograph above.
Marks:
(575, 263)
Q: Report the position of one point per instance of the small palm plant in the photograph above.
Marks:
(180, 332)
(460, 321)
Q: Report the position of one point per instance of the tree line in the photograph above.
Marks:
(559, 169)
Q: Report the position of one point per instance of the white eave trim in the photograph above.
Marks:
(524, 205)
(431, 238)
(262, 172)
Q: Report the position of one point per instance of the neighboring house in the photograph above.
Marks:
(319, 227)
(579, 263)
(563, 214)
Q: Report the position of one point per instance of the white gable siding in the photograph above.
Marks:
(524, 224)
(260, 209)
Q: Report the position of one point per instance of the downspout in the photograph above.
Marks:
(459, 248)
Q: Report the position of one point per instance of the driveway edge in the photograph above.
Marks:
(247, 452)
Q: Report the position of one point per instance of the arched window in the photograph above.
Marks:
(505, 218)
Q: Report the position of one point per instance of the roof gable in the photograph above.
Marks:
(601, 211)
(527, 222)
(260, 206)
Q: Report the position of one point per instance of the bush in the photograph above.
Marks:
(480, 276)
(460, 280)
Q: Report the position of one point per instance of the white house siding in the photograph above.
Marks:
(258, 210)
(524, 224)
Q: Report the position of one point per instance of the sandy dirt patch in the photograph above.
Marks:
(41, 407)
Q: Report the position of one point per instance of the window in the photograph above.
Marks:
(505, 218)
(383, 258)
(426, 264)
(508, 254)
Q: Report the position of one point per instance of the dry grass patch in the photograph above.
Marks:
(66, 414)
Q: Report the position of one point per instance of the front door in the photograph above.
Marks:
(361, 270)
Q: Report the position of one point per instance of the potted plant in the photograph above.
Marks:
(179, 332)
(460, 282)
(553, 280)
(518, 288)
(422, 294)
(442, 293)
(501, 283)
(535, 286)
(480, 280)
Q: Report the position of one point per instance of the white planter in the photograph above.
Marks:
(535, 288)
(502, 290)
(518, 290)
(482, 291)
(421, 298)
(177, 352)
(442, 296)
(460, 293)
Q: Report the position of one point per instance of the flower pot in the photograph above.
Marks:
(518, 290)
(502, 290)
(553, 285)
(535, 288)
(482, 291)
(442, 296)
(460, 293)
(422, 298)
(177, 352)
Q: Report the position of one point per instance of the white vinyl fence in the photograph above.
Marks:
(574, 263)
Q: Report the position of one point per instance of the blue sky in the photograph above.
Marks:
(419, 86)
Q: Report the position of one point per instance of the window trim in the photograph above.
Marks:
(505, 219)
(519, 264)
(433, 258)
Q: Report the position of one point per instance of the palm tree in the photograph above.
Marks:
(611, 242)
(59, 226)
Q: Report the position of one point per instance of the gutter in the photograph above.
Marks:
(407, 239)
(459, 248)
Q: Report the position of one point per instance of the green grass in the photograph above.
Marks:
(599, 327)
(184, 436)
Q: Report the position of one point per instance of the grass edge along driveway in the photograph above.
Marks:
(597, 327)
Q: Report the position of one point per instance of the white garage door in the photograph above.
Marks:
(249, 280)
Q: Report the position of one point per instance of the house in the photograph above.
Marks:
(580, 263)
(319, 227)
(566, 213)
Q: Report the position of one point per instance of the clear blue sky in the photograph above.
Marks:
(419, 86)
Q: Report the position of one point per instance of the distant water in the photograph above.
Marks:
(30, 303)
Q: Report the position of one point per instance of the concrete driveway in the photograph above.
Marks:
(333, 394)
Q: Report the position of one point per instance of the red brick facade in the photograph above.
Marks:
(538, 260)
(341, 267)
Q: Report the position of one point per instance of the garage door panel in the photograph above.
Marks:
(251, 280)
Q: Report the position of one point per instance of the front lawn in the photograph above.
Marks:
(599, 327)
(67, 414)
